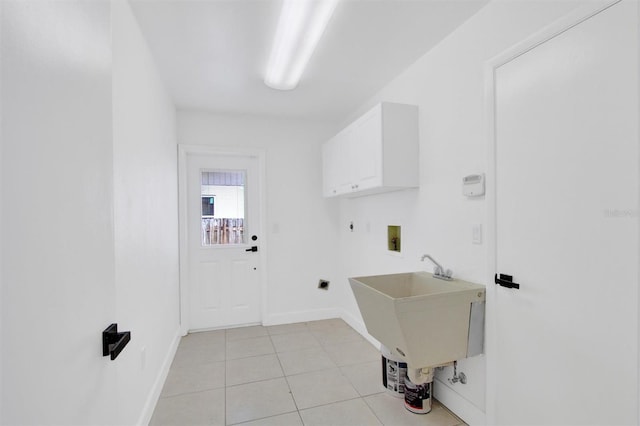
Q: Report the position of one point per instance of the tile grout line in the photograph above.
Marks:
(193, 392)
(257, 381)
(174, 369)
(372, 410)
(335, 402)
(288, 385)
(252, 356)
(311, 371)
(361, 397)
(322, 348)
(264, 418)
(351, 381)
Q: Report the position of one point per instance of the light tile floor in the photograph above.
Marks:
(314, 373)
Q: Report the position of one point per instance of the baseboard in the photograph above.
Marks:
(223, 327)
(459, 405)
(154, 395)
(300, 316)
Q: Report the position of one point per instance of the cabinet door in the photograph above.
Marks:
(336, 168)
(366, 145)
(329, 168)
(343, 160)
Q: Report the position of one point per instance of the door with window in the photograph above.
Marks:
(223, 240)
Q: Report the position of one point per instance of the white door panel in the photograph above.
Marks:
(224, 280)
(208, 274)
(566, 154)
(59, 285)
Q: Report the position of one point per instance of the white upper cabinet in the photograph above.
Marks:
(376, 153)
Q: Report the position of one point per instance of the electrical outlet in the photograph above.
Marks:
(323, 285)
(476, 234)
(143, 358)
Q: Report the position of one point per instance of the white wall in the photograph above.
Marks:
(447, 84)
(145, 218)
(58, 290)
(301, 229)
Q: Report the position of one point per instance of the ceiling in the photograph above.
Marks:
(212, 53)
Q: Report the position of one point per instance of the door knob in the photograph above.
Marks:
(506, 281)
(253, 248)
(113, 342)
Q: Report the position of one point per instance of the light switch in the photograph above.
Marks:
(476, 234)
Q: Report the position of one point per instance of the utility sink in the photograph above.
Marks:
(424, 320)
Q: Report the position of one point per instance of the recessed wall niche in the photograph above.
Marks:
(394, 238)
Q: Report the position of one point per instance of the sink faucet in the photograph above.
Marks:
(438, 271)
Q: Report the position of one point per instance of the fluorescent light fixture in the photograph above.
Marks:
(300, 27)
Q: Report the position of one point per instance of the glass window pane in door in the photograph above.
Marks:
(223, 207)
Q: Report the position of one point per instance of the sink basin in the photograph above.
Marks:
(421, 319)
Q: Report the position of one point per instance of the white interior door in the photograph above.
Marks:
(58, 280)
(224, 256)
(566, 152)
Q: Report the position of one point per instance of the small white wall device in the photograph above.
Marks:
(473, 185)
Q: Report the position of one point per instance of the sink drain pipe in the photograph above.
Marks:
(418, 388)
(419, 376)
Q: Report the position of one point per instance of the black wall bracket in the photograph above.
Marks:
(113, 342)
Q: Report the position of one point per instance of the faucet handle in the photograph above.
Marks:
(448, 273)
(437, 270)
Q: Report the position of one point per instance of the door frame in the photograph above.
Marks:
(184, 150)
(572, 19)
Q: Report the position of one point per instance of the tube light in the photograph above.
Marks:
(300, 27)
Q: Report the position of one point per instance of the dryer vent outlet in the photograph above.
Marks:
(323, 285)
